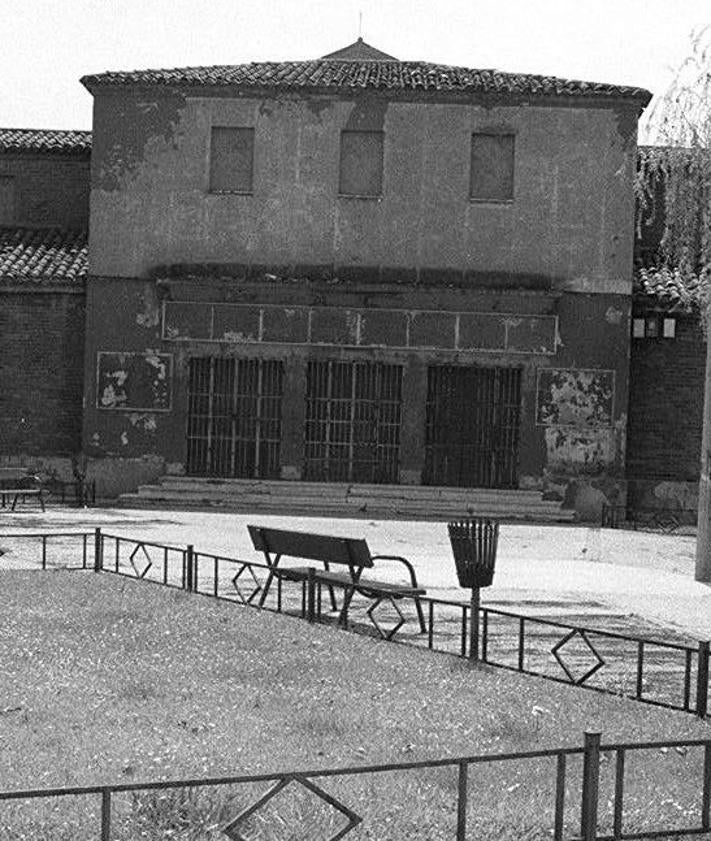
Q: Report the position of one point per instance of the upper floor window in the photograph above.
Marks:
(492, 167)
(7, 200)
(231, 160)
(361, 171)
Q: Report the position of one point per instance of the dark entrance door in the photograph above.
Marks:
(234, 417)
(472, 433)
(353, 412)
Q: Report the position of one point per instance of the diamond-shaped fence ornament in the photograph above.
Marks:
(149, 563)
(232, 829)
(556, 652)
(257, 585)
(386, 635)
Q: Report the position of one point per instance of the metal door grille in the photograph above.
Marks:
(234, 417)
(472, 426)
(353, 412)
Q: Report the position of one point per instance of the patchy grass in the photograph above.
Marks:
(107, 680)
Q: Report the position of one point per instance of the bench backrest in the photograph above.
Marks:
(17, 477)
(351, 551)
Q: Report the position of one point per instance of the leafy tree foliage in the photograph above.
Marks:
(674, 177)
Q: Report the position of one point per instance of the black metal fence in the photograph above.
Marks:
(665, 520)
(587, 789)
(667, 674)
(68, 550)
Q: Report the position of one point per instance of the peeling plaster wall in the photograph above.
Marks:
(562, 446)
(571, 222)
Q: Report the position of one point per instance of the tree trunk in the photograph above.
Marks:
(703, 538)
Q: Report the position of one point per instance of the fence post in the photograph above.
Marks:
(98, 551)
(311, 595)
(106, 814)
(462, 802)
(188, 561)
(702, 680)
(591, 781)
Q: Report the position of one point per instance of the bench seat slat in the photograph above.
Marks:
(343, 579)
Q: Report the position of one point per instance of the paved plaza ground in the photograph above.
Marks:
(541, 569)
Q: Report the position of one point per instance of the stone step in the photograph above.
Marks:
(329, 489)
(343, 500)
(464, 500)
(297, 510)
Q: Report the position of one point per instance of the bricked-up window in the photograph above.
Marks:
(7, 200)
(492, 167)
(361, 164)
(231, 160)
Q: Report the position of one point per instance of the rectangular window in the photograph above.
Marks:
(7, 200)
(231, 160)
(669, 328)
(492, 167)
(361, 164)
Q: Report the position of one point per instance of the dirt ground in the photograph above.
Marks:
(540, 568)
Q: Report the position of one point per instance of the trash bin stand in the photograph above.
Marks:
(474, 625)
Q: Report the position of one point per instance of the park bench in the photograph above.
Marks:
(17, 483)
(348, 552)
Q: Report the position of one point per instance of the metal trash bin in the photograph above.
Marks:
(474, 543)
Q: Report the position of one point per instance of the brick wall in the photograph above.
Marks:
(41, 372)
(666, 405)
(48, 190)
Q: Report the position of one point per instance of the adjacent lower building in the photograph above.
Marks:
(44, 216)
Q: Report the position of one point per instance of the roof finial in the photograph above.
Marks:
(360, 25)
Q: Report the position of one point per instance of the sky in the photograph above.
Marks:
(47, 45)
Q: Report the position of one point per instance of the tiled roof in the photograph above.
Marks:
(42, 256)
(333, 74)
(45, 140)
(666, 290)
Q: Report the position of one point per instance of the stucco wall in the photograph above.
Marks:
(570, 223)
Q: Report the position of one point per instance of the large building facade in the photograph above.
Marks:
(357, 269)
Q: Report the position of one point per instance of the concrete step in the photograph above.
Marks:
(345, 500)
(349, 498)
(314, 510)
(329, 489)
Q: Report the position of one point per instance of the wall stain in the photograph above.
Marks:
(368, 114)
(134, 124)
(150, 314)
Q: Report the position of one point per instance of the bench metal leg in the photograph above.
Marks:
(334, 603)
(347, 598)
(420, 615)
